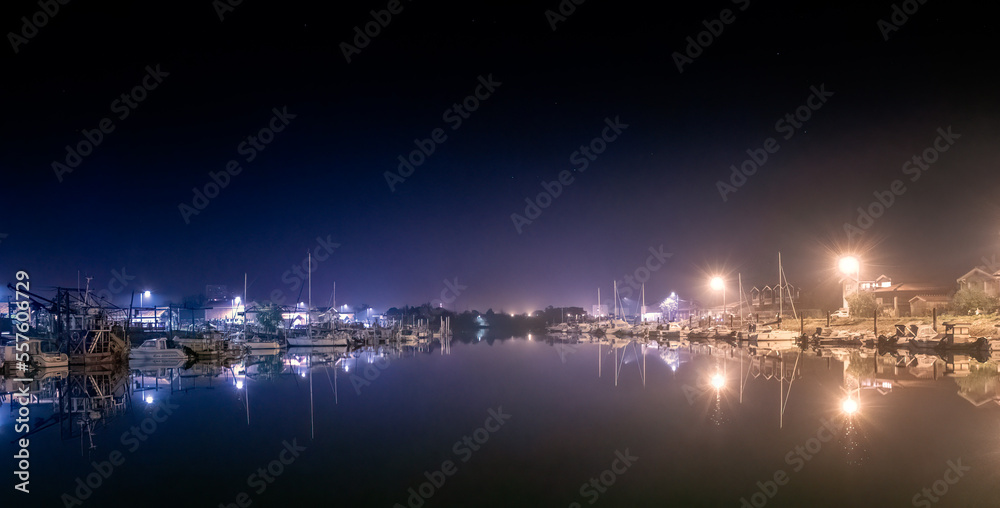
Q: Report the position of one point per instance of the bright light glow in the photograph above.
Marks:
(239, 385)
(147, 293)
(850, 406)
(849, 265)
(717, 283)
(238, 300)
(149, 399)
(718, 381)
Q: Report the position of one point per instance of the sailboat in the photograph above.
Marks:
(616, 325)
(768, 334)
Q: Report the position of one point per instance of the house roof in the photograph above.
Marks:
(922, 288)
(979, 270)
(931, 298)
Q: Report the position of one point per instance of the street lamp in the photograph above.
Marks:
(849, 265)
(717, 283)
(144, 294)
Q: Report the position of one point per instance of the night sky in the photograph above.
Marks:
(543, 93)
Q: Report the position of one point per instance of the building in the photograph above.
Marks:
(850, 285)
(216, 292)
(980, 278)
(895, 298)
(924, 305)
(767, 298)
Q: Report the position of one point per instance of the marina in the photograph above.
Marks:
(337, 402)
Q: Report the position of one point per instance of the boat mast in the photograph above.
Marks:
(615, 285)
(740, 276)
(642, 306)
(244, 306)
(781, 293)
(309, 310)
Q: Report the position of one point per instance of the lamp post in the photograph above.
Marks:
(849, 265)
(717, 283)
(144, 294)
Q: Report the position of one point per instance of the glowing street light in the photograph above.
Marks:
(718, 381)
(850, 265)
(717, 283)
(850, 406)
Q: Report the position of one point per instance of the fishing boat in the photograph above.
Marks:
(45, 359)
(157, 349)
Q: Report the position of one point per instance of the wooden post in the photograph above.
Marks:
(934, 317)
(875, 321)
(828, 319)
(802, 323)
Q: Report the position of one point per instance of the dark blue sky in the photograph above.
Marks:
(656, 184)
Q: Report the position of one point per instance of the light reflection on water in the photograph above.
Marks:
(707, 421)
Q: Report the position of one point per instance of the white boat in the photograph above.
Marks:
(769, 334)
(156, 349)
(337, 338)
(559, 328)
(44, 359)
(926, 337)
(259, 343)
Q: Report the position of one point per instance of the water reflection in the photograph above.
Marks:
(716, 395)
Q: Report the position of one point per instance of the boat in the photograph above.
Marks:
(320, 338)
(157, 349)
(260, 343)
(45, 359)
(559, 328)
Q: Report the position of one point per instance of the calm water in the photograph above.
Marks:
(525, 422)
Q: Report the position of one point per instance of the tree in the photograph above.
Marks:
(269, 317)
(862, 304)
(968, 300)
